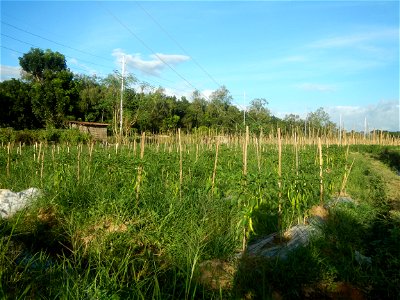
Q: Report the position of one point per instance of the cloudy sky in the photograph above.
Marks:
(299, 55)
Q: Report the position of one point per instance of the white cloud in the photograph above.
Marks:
(357, 39)
(158, 61)
(81, 67)
(383, 115)
(316, 87)
(294, 59)
(73, 61)
(207, 93)
(188, 93)
(178, 93)
(8, 72)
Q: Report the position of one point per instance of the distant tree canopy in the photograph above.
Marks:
(49, 94)
(37, 62)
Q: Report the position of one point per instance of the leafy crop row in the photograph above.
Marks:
(132, 226)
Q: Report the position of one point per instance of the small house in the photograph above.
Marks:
(97, 130)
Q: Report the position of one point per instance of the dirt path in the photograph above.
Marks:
(390, 178)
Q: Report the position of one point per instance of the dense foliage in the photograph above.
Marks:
(49, 94)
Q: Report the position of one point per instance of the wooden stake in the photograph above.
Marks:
(42, 167)
(215, 167)
(246, 141)
(297, 153)
(321, 185)
(279, 180)
(8, 159)
(139, 177)
(258, 156)
(180, 164)
(78, 166)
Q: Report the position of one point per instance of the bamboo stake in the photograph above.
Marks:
(347, 171)
(279, 179)
(215, 167)
(91, 150)
(53, 149)
(41, 169)
(8, 160)
(180, 164)
(142, 143)
(297, 153)
(321, 185)
(258, 156)
(139, 176)
(246, 141)
(40, 150)
(79, 159)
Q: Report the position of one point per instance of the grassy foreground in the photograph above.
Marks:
(115, 223)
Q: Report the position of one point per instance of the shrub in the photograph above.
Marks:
(73, 136)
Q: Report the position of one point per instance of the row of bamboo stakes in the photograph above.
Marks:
(181, 143)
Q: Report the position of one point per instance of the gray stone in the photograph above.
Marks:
(11, 202)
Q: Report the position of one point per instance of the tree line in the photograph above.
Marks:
(48, 95)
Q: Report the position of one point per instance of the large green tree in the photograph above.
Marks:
(36, 62)
(90, 105)
(16, 107)
(54, 98)
(217, 114)
(258, 115)
(53, 91)
(319, 119)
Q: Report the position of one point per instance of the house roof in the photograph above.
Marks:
(94, 124)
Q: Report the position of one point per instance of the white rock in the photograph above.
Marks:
(11, 202)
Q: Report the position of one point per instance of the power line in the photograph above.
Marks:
(137, 37)
(82, 69)
(162, 60)
(11, 49)
(148, 47)
(85, 61)
(183, 50)
(55, 42)
(177, 43)
(94, 55)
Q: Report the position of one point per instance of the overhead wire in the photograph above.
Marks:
(185, 52)
(162, 60)
(52, 41)
(137, 37)
(148, 47)
(177, 43)
(82, 60)
(183, 49)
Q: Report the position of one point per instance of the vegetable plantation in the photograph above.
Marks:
(138, 220)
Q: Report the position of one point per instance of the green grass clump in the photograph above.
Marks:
(112, 225)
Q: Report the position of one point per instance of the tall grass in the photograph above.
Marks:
(113, 223)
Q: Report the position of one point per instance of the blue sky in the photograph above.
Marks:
(299, 55)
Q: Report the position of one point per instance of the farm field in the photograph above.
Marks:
(171, 217)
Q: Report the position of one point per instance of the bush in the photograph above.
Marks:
(29, 137)
(50, 135)
(7, 135)
(74, 136)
